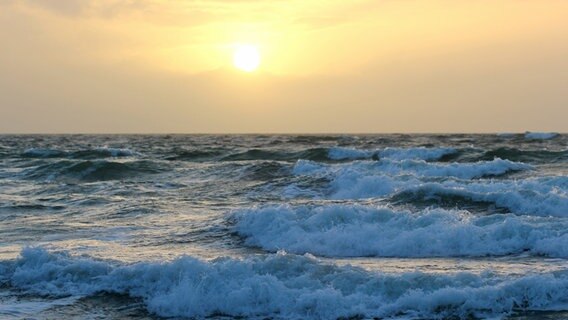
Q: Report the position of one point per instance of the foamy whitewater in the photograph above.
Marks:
(284, 226)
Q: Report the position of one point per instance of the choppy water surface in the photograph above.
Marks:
(284, 227)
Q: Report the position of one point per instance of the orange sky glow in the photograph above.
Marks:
(157, 66)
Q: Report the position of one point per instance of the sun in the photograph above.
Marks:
(246, 58)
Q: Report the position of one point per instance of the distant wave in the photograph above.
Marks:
(419, 153)
(515, 154)
(95, 153)
(332, 154)
(529, 135)
(285, 286)
(92, 170)
(355, 231)
(44, 153)
(197, 155)
(338, 153)
(316, 154)
(327, 154)
(506, 134)
(540, 135)
(265, 170)
(217, 154)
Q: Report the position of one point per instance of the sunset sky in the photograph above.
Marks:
(166, 66)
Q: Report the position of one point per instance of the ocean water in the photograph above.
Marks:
(284, 226)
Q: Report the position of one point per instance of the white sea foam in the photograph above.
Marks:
(351, 230)
(285, 286)
(540, 135)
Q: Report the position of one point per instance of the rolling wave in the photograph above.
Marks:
(92, 170)
(265, 171)
(316, 154)
(196, 155)
(542, 197)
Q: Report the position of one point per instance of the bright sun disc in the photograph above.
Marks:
(246, 58)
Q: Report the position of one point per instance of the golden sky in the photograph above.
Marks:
(126, 66)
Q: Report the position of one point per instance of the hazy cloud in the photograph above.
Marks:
(311, 14)
(66, 7)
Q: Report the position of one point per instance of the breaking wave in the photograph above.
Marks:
(285, 286)
(356, 231)
(417, 182)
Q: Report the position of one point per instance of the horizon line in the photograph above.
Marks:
(273, 133)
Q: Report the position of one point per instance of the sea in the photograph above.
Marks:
(396, 226)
